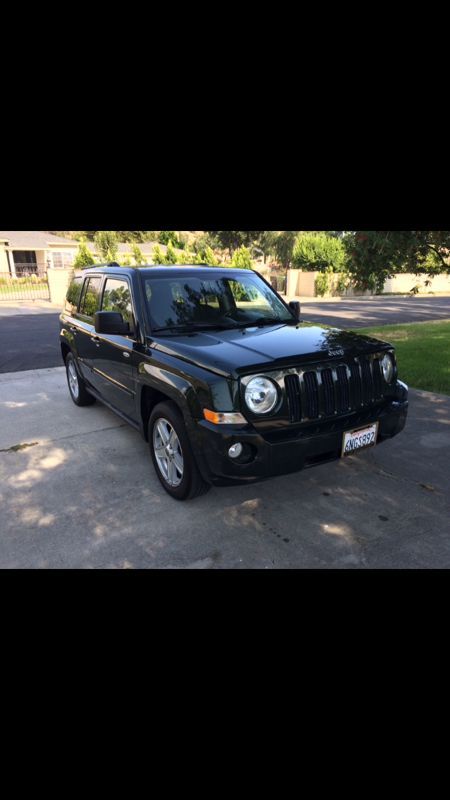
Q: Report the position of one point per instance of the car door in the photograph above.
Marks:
(114, 356)
(86, 339)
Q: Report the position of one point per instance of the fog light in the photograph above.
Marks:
(235, 450)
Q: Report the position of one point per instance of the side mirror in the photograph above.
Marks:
(294, 305)
(110, 322)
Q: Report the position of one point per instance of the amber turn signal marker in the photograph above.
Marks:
(222, 418)
(211, 416)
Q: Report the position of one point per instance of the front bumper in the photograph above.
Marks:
(306, 447)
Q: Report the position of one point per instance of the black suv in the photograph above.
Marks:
(221, 377)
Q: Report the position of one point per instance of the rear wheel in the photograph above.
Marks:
(172, 454)
(77, 386)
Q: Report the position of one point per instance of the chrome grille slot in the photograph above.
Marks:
(311, 395)
(377, 381)
(367, 382)
(292, 384)
(329, 400)
(343, 388)
(356, 387)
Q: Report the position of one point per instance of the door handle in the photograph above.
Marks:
(96, 340)
(73, 329)
(126, 355)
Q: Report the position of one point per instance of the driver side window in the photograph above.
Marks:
(117, 297)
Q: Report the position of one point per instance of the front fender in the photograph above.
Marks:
(177, 387)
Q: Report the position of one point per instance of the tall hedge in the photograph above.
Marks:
(318, 252)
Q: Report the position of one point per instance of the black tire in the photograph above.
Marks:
(80, 394)
(191, 483)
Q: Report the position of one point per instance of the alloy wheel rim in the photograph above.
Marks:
(73, 380)
(168, 452)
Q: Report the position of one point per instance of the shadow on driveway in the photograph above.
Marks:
(83, 493)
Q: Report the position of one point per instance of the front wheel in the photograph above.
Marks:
(172, 455)
(77, 386)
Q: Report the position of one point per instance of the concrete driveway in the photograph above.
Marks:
(78, 490)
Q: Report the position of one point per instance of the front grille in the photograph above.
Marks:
(331, 391)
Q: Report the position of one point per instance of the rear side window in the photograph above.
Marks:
(73, 295)
(117, 297)
(90, 301)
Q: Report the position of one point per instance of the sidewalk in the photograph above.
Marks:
(12, 308)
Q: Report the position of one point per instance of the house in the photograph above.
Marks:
(33, 252)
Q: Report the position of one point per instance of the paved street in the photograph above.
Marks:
(29, 333)
(77, 489)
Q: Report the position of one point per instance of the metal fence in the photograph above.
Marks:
(31, 286)
(26, 269)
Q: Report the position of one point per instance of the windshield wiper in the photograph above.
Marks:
(256, 323)
(195, 326)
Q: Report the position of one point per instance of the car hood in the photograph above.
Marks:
(237, 352)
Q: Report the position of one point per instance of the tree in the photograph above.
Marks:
(242, 259)
(318, 251)
(168, 236)
(138, 255)
(84, 257)
(266, 242)
(107, 245)
(375, 256)
(232, 240)
(283, 246)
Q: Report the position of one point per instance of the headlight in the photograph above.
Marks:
(387, 368)
(261, 395)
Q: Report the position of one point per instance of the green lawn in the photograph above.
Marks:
(423, 352)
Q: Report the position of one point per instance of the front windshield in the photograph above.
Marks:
(184, 302)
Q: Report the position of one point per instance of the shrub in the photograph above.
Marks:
(242, 259)
(84, 257)
(342, 282)
(318, 251)
(322, 284)
(107, 245)
(205, 255)
(171, 256)
(158, 256)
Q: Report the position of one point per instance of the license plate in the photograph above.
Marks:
(359, 439)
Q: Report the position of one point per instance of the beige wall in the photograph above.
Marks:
(58, 283)
(4, 265)
(41, 261)
(302, 284)
(404, 283)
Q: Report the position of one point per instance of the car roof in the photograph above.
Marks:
(164, 272)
